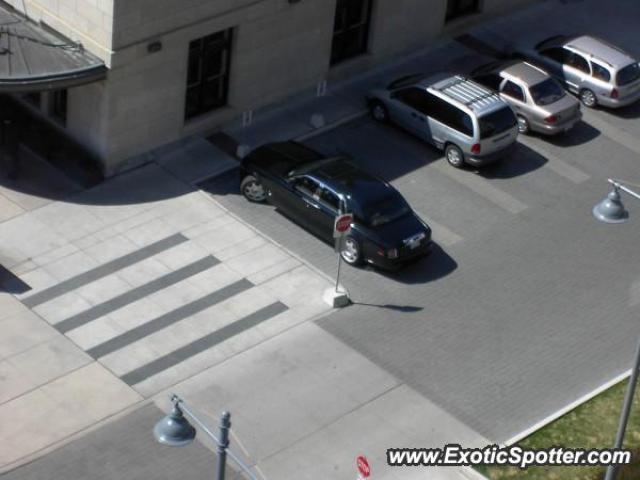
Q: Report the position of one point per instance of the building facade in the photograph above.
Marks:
(183, 67)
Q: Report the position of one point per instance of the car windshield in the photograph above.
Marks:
(497, 122)
(546, 92)
(385, 210)
(628, 74)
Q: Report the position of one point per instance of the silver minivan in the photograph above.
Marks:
(469, 122)
(540, 102)
(598, 72)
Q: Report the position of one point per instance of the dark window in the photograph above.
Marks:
(490, 80)
(459, 8)
(414, 97)
(600, 72)
(628, 74)
(512, 90)
(59, 105)
(497, 122)
(546, 92)
(450, 115)
(208, 73)
(350, 29)
(308, 186)
(33, 98)
(556, 53)
(384, 210)
(330, 199)
(578, 62)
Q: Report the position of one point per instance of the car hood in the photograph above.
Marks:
(393, 233)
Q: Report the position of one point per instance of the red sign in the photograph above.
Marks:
(363, 466)
(342, 225)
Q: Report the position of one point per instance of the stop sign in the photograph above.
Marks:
(363, 466)
(342, 224)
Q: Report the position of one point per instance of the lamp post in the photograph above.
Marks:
(611, 210)
(176, 431)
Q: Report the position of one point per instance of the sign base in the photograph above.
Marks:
(339, 299)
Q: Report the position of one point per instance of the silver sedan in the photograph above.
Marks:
(539, 101)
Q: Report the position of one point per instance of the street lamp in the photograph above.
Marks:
(611, 210)
(176, 431)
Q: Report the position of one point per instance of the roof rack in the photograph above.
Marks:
(468, 93)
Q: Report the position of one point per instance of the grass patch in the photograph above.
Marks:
(591, 425)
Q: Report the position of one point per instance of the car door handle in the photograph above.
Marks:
(310, 203)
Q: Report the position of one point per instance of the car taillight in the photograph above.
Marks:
(551, 119)
(393, 253)
(380, 252)
(475, 148)
(614, 93)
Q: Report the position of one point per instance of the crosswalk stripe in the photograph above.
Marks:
(169, 318)
(202, 344)
(136, 294)
(441, 234)
(481, 186)
(558, 166)
(101, 271)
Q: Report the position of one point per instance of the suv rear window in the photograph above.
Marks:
(497, 122)
(628, 74)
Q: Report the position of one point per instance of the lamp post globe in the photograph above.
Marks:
(611, 209)
(174, 430)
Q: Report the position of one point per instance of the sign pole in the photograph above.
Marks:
(339, 262)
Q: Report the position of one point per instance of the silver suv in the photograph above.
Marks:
(596, 71)
(539, 101)
(469, 122)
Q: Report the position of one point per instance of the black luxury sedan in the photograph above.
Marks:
(312, 189)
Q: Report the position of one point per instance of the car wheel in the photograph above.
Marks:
(454, 156)
(252, 189)
(350, 251)
(588, 98)
(523, 125)
(378, 111)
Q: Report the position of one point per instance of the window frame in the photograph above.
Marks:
(514, 84)
(339, 53)
(201, 87)
(571, 54)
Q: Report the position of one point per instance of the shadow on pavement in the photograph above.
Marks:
(629, 112)
(9, 283)
(226, 184)
(395, 308)
(522, 161)
(581, 133)
(32, 147)
(428, 269)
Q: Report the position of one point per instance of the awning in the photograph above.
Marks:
(33, 57)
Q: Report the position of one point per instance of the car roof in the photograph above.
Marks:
(599, 49)
(526, 72)
(464, 92)
(343, 176)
